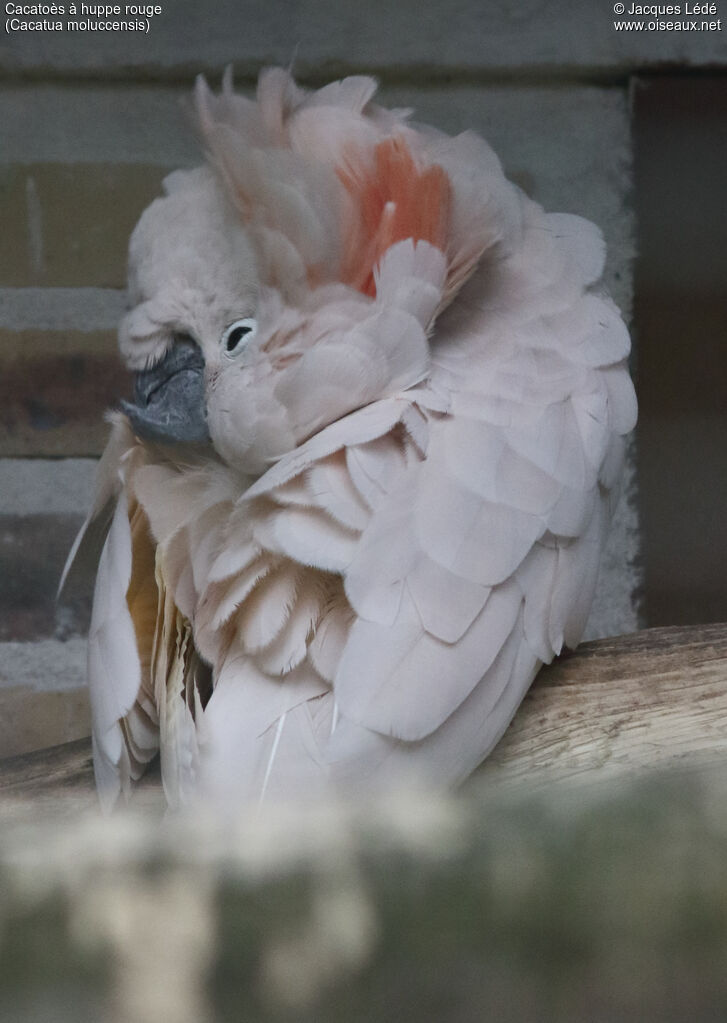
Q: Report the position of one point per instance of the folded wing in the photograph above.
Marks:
(440, 545)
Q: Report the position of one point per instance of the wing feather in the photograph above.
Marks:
(124, 719)
(114, 668)
(265, 613)
(385, 671)
(466, 527)
(329, 485)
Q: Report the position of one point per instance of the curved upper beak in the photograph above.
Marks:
(169, 399)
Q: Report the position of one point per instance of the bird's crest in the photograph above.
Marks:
(391, 200)
(327, 181)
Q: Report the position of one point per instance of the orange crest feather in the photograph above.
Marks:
(393, 200)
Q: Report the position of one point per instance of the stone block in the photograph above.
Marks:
(100, 122)
(62, 487)
(50, 664)
(33, 550)
(54, 390)
(43, 695)
(68, 225)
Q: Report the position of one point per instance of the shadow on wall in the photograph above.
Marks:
(681, 324)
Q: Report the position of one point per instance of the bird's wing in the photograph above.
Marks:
(125, 719)
(424, 555)
(147, 680)
(114, 542)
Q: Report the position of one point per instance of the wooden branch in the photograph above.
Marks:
(65, 768)
(652, 699)
(66, 771)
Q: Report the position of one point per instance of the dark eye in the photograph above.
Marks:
(238, 334)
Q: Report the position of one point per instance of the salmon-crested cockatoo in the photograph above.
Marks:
(362, 491)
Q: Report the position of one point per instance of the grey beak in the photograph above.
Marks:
(169, 400)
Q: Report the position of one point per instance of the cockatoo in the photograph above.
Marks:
(362, 491)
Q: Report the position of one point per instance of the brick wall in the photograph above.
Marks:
(89, 125)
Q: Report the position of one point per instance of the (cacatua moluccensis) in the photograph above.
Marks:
(376, 441)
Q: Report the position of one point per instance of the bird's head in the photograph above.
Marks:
(298, 276)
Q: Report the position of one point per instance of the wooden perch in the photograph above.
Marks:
(652, 699)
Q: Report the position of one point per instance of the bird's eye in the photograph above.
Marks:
(238, 335)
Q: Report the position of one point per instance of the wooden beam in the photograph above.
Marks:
(653, 699)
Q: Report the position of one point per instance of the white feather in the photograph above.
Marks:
(289, 648)
(383, 669)
(329, 485)
(307, 536)
(114, 670)
(267, 609)
(330, 639)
